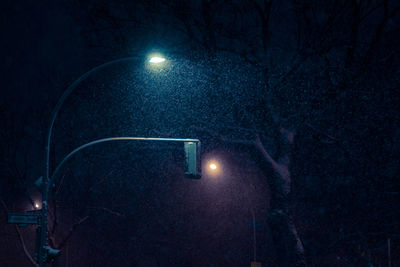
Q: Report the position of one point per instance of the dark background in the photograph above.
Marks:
(326, 72)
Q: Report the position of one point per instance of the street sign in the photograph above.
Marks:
(23, 218)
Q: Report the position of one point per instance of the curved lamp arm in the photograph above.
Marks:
(45, 185)
(60, 102)
(109, 139)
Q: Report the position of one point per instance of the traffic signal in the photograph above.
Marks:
(39, 183)
(192, 160)
(50, 253)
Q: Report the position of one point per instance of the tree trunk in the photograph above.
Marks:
(288, 245)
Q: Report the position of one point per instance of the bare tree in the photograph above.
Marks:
(312, 56)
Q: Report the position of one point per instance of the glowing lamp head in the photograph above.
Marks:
(156, 60)
(37, 205)
(213, 166)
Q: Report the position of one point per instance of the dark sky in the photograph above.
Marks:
(35, 38)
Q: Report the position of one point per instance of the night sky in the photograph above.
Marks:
(295, 103)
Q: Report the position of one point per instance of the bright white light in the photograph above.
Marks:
(37, 205)
(213, 166)
(156, 60)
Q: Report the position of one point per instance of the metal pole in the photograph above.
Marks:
(51, 180)
(109, 139)
(389, 252)
(254, 235)
(43, 224)
(46, 185)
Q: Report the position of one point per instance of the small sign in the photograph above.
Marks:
(36, 211)
(23, 218)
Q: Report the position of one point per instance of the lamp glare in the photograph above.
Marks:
(156, 60)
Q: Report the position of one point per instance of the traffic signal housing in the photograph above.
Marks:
(192, 159)
(50, 253)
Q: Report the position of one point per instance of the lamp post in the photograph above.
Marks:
(192, 151)
(254, 263)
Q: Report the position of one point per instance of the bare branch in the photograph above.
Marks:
(71, 231)
(379, 33)
(222, 137)
(116, 213)
(21, 238)
(265, 153)
(321, 132)
(26, 252)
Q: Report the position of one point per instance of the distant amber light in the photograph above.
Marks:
(213, 167)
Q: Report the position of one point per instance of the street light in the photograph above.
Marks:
(156, 60)
(192, 152)
(213, 168)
